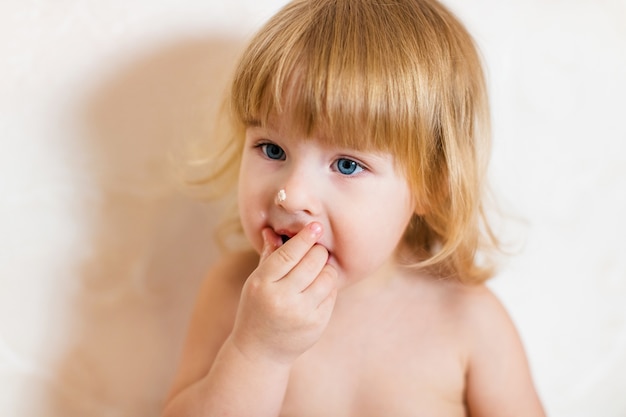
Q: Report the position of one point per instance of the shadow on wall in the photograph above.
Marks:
(151, 243)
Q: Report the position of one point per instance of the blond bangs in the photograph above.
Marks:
(328, 77)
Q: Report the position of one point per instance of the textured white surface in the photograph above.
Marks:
(100, 254)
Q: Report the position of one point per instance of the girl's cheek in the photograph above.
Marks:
(254, 218)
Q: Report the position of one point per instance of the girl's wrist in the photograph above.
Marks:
(264, 358)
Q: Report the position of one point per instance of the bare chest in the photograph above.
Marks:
(382, 361)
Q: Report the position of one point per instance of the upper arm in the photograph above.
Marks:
(499, 382)
(212, 318)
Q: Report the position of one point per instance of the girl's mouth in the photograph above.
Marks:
(284, 238)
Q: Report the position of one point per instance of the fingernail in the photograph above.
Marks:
(315, 228)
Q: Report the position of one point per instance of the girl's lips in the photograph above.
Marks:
(284, 234)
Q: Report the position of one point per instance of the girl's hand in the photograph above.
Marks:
(287, 301)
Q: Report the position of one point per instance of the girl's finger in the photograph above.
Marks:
(323, 286)
(271, 242)
(306, 272)
(283, 259)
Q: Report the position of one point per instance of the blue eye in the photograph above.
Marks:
(348, 166)
(273, 151)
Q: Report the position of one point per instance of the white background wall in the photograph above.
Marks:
(100, 254)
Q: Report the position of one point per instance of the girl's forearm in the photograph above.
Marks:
(236, 386)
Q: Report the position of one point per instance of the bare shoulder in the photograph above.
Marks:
(499, 382)
(477, 312)
(213, 316)
(478, 308)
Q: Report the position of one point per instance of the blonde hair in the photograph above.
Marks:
(398, 76)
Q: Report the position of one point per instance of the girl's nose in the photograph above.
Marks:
(298, 195)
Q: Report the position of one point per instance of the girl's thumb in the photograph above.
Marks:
(270, 243)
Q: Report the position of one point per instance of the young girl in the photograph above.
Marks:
(361, 149)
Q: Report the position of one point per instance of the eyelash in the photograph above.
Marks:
(262, 146)
(354, 163)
